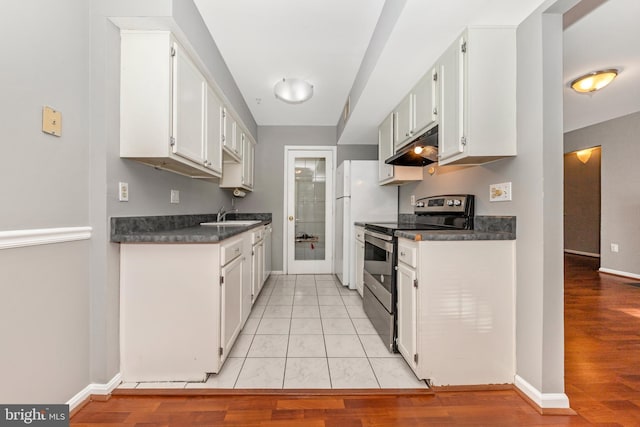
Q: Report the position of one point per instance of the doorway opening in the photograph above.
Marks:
(582, 202)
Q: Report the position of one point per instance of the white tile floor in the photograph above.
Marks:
(307, 331)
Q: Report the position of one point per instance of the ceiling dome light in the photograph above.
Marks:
(293, 91)
(594, 81)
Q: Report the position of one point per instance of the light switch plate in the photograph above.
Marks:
(123, 192)
(500, 192)
(51, 121)
(175, 196)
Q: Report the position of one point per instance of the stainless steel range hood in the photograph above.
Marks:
(420, 152)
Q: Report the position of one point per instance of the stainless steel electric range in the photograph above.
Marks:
(449, 212)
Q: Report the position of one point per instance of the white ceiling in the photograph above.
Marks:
(321, 41)
(608, 37)
(324, 42)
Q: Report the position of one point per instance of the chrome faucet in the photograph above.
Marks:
(222, 214)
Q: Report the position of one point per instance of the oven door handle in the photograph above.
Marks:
(375, 241)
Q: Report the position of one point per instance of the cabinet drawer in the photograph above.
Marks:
(407, 254)
(257, 235)
(230, 252)
(359, 234)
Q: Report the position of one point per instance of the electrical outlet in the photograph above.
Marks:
(413, 200)
(614, 247)
(175, 196)
(500, 192)
(123, 192)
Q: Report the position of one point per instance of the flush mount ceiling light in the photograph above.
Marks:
(293, 91)
(594, 81)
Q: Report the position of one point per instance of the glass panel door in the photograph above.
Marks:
(310, 204)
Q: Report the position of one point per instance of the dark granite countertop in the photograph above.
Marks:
(455, 235)
(485, 228)
(180, 228)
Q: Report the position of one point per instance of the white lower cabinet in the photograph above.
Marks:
(455, 305)
(359, 263)
(257, 262)
(407, 295)
(232, 307)
(181, 307)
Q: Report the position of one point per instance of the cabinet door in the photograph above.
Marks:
(425, 102)
(407, 314)
(385, 148)
(231, 304)
(404, 121)
(188, 108)
(359, 266)
(248, 161)
(260, 257)
(255, 285)
(213, 132)
(452, 101)
(232, 134)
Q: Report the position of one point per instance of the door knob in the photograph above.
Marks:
(290, 217)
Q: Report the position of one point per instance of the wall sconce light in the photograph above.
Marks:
(584, 155)
(594, 81)
(293, 91)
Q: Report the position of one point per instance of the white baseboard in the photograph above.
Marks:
(591, 254)
(619, 273)
(543, 400)
(42, 236)
(94, 388)
(277, 273)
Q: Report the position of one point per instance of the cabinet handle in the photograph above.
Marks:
(403, 254)
(435, 111)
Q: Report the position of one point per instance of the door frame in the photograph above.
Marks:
(330, 223)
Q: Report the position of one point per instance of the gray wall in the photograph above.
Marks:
(620, 187)
(582, 203)
(268, 194)
(44, 302)
(536, 176)
(356, 152)
(149, 189)
(73, 295)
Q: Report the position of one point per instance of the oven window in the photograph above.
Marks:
(379, 264)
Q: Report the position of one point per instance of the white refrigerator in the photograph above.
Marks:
(359, 198)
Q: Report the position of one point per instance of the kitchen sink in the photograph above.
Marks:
(232, 223)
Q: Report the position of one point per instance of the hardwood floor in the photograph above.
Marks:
(602, 343)
(602, 329)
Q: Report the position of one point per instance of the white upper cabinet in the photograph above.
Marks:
(232, 137)
(164, 118)
(418, 111)
(189, 88)
(240, 175)
(389, 174)
(385, 149)
(213, 131)
(478, 97)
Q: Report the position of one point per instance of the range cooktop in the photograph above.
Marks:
(450, 212)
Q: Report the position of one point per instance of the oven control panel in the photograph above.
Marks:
(457, 203)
